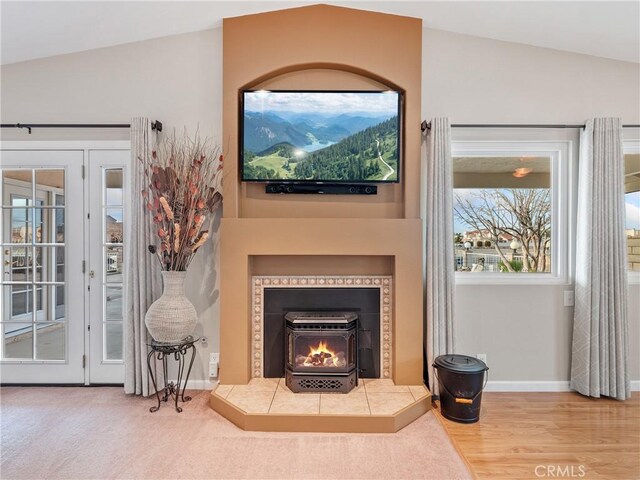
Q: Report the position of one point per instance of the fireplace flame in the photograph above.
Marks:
(321, 356)
(320, 349)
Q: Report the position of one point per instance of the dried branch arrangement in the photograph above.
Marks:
(184, 178)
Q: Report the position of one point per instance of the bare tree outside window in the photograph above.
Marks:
(523, 215)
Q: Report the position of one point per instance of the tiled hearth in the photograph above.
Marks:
(376, 405)
(370, 397)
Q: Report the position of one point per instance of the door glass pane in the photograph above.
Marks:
(113, 186)
(19, 267)
(59, 302)
(59, 259)
(18, 303)
(58, 220)
(113, 264)
(49, 264)
(21, 221)
(45, 302)
(113, 225)
(42, 257)
(50, 340)
(113, 303)
(19, 179)
(52, 182)
(41, 220)
(113, 340)
(18, 340)
(40, 300)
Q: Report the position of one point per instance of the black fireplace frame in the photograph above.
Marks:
(364, 301)
(321, 324)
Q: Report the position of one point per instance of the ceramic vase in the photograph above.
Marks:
(172, 317)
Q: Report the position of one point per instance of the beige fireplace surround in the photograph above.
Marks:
(315, 237)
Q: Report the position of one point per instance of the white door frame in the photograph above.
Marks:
(85, 147)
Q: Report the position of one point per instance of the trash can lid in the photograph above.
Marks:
(460, 363)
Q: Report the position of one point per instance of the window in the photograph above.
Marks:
(632, 206)
(510, 210)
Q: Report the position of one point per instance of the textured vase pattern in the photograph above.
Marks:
(172, 317)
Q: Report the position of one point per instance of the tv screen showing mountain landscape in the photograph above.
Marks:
(320, 136)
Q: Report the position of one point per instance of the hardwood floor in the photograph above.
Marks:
(551, 435)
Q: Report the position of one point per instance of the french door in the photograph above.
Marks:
(61, 317)
(108, 176)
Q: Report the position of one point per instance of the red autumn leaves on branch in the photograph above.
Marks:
(184, 183)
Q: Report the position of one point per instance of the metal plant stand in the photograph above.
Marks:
(162, 351)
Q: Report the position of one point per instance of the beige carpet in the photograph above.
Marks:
(99, 433)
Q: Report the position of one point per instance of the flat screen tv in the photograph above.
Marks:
(320, 136)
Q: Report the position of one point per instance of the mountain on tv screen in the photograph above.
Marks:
(320, 136)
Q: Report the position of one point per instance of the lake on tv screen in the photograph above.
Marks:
(329, 136)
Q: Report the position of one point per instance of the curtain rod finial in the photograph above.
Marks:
(157, 126)
(425, 126)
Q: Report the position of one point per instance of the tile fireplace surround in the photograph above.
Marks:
(381, 282)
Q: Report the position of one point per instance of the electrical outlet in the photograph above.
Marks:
(214, 362)
(569, 298)
(213, 369)
(482, 357)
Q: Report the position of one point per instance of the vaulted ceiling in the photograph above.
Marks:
(32, 30)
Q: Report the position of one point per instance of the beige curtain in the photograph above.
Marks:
(439, 253)
(599, 362)
(143, 282)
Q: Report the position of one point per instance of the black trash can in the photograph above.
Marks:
(461, 379)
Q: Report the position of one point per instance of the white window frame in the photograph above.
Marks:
(560, 153)
(631, 147)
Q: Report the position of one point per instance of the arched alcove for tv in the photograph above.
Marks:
(292, 71)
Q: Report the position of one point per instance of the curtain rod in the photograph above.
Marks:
(427, 125)
(156, 125)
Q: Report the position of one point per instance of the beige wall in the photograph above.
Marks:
(525, 331)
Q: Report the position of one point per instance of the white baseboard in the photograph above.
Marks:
(492, 386)
(537, 386)
(531, 386)
(201, 384)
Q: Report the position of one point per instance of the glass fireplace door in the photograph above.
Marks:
(319, 352)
